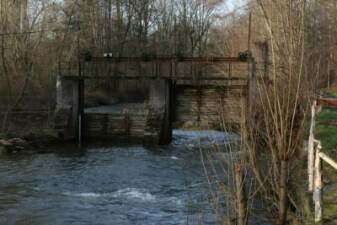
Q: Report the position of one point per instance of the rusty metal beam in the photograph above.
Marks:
(166, 59)
(153, 77)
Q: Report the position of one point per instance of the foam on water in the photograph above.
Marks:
(134, 193)
(89, 195)
(174, 200)
(192, 139)
(129, 193)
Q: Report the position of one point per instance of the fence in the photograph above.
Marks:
(315, 157)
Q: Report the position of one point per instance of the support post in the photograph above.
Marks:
(240, 196)
(158, 128)
(311, 151)
(81, 115)
(68, 107)
(252, 91)
(318, 186)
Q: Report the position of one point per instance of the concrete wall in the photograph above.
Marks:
(116, 126)
(158, 128)
(205, 106)
(152, 125)
(69, 95)
(208, 107)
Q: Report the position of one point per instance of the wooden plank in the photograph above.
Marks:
(327, 159)
(114, 125)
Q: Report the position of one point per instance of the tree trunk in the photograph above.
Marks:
(9, 86)
(24, 16)
(240, 196)
(283, 193)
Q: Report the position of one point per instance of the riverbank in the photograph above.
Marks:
(26, 144)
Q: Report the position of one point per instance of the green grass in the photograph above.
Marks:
(329, 199)
(327, 114)
(326, 133)
(331, 92)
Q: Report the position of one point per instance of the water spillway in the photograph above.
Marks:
(116, 121)
(169, 106)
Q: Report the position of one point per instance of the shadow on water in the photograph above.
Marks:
(100, 184)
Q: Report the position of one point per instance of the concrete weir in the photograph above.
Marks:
(153, 124)
(207, 106)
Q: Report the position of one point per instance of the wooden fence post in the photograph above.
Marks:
(318, 186)
(240, 196)
(311, 151)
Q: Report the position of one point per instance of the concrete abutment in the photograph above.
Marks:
(158, 129)
(69, 105)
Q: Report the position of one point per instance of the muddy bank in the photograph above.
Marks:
(41, 144)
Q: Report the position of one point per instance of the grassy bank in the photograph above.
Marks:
(331, 91)
(326, 132)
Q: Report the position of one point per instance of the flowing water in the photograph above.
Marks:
(99, 185)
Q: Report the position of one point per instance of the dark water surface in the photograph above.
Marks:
(106, 185)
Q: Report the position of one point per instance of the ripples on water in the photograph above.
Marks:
(107, 185)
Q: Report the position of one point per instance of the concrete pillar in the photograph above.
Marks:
(158, 128)
(252, 93)
(69, 95)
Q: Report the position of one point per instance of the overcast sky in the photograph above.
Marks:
(231, 5)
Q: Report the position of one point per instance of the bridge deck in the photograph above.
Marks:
(164, 67)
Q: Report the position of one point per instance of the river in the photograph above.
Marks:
(98, 184)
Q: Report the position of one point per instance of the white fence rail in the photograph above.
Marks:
(315, 166)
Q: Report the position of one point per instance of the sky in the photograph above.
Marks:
(230, 5)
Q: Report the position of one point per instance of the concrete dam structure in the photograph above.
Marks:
(210, 102)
